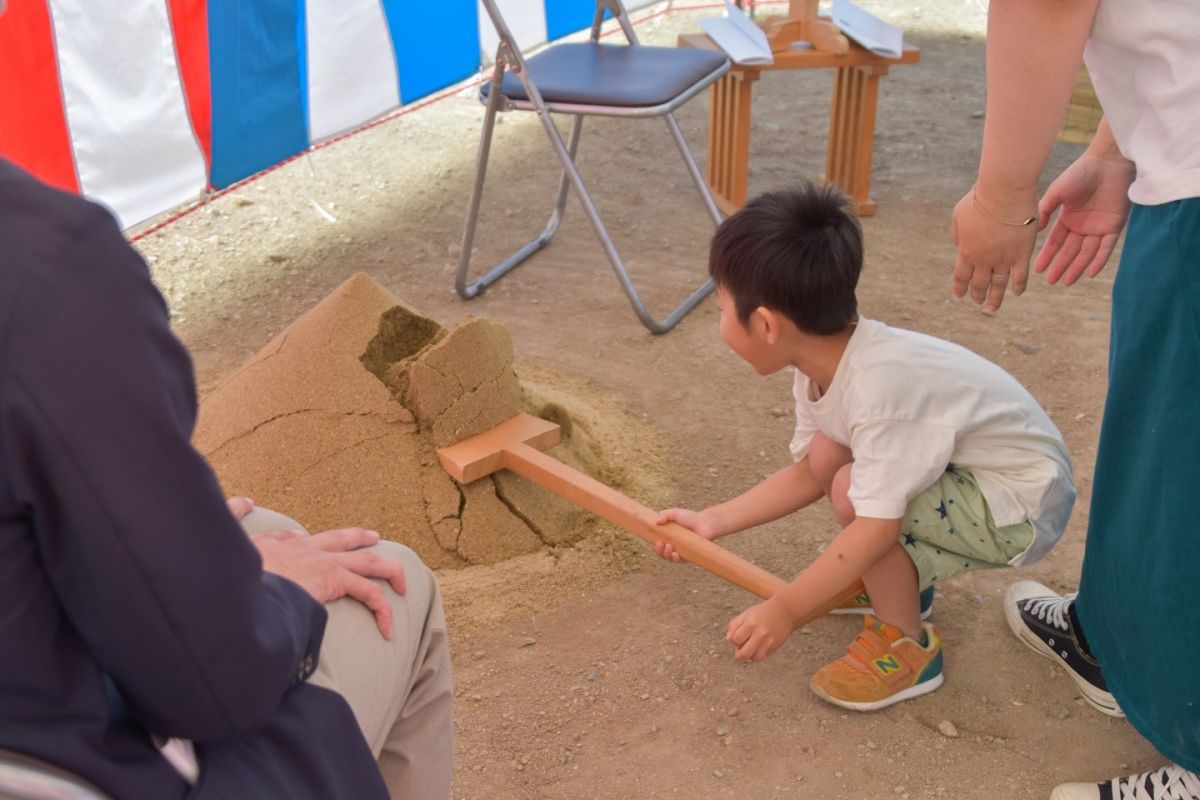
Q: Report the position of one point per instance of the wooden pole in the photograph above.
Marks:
(623, 511)
(514, 445)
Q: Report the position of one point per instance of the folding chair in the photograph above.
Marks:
(26, 778)
(581, 79)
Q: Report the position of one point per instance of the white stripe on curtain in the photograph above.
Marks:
(526, 20)
(133, 141)
(351, 65)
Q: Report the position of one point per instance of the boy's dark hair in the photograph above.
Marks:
(797, 251)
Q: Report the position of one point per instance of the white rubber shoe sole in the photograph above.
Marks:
(924, 687)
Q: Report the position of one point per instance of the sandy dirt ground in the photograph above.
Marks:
(596, 671)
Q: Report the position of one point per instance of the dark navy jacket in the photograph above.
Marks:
(130, 600)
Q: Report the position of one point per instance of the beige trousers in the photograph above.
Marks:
(400, 691)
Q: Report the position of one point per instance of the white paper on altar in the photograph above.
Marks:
(738, 35)
(878, 36)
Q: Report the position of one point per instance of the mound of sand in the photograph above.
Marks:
(336, 421)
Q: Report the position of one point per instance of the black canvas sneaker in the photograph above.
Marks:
(1042, 620)
(1168, 783)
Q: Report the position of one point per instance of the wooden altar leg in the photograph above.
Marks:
(852, 133)
(729, 138)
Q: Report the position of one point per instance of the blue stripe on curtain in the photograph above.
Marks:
(258, 92)
(568, 16)
(436, 44)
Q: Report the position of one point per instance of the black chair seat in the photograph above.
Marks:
(629, 76)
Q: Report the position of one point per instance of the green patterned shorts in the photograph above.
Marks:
(948, 530)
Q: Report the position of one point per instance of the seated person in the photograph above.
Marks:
(936, 461)
(135, 612)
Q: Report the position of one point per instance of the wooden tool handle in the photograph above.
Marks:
(609, 504)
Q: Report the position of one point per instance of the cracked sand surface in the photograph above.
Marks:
(338, 418)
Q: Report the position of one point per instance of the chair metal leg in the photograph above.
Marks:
(571, 178)
(610, 249)
(471, 290)
(485, 145)
(694, 169)
(510, 57)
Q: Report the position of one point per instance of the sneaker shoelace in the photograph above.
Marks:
(1052, 610)
(1168, 783)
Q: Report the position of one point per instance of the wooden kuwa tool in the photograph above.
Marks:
(516, 444)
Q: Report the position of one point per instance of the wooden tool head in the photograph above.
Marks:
(483, 454)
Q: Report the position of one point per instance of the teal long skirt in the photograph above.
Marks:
(1139, 597)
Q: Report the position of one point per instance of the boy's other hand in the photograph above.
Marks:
(759, 630)
(696, 521)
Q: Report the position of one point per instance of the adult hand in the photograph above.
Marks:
(239, 507)
(700, 522)
(759, 630)
(1093, 197)
(331, 564)
(991, 254)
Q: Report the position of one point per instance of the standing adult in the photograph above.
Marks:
(149, 645)
(1127, 637)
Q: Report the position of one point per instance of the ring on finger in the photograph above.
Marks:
(1003, 276)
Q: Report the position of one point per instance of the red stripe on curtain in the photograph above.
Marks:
(33, 125)
(189, 20)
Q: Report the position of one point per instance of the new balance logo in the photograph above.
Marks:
(887, 665)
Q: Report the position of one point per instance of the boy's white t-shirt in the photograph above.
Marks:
(908, 405)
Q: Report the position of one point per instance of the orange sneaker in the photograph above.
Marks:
(881, 667)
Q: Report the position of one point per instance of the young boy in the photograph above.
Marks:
(936, 461)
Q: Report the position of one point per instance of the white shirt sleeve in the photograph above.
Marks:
(894, 461)
(806, 426)
(801, 438)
